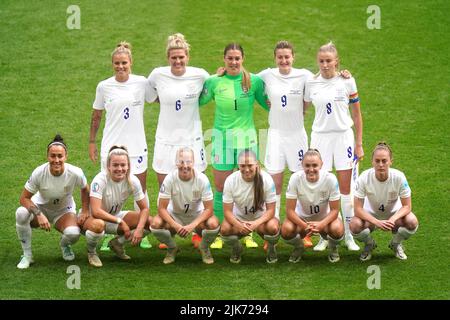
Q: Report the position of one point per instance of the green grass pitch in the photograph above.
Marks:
(48, 76)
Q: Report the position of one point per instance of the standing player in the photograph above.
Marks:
(332, 134)
(286, 140)
(47, 199)
(249, 205)
(234, 130)
(312, 206)
(109, 191)
(185, 206)
(383, 200)
(122, 97)
(178, 87)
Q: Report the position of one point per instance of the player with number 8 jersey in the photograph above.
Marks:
(333, 97)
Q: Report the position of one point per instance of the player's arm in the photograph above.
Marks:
(205, 215)
(403, 211)
(229, 216)
(165, 215)
(357, 120)
(95, 124)
(84, 205)
(332, 215)
(207, 93)
(25, 201)
(143, 217)
(260, 94)
(364, 215)
(292, 215)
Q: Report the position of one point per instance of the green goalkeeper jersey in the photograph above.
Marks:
(233, 118)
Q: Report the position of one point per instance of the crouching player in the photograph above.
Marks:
(383, 200)
(249, 205)
(48, 199)
(185, 206)
(312, 206)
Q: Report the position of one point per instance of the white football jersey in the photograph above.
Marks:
(186, 197)
(114, 194)
(240, 192)
(330, 98)
(313, 198)
(124, 105)
(179, 118)
(286, 97)
(382, 197)
(54, 193)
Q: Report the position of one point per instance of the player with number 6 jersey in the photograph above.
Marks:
(312, 206)
(383, 200)
(178, 87)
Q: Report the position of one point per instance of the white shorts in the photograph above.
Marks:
(111, 228)
(306, 217)
(335, 147)
(138, 164)
(54, 215)
(381, 215)
(184, 219)
(285, 149)
(164, 156)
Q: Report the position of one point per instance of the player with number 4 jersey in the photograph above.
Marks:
(383, 200)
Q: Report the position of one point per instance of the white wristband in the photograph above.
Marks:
(119, 220)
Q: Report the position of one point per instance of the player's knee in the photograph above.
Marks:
(212, 223)
(411, 222)
(23, 217)
(97, 226)
(272, 227)
(156, 223)
(356, 225)
(72, 233)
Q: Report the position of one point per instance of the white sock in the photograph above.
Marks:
(272, 240)
(164, 236)
(277, 206)
(363, 236)
(333, 242)
(23, 228)
(232, 240)
(402, 234)
(296, 241)
(92, 240)
(208, 237)
(70, 236)
(347, 212)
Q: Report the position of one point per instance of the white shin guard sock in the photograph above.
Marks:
(296, 242)
(92, 239)
(164, 236)
(208, 236)
(363, 236)
(70, 235)
(403, 234)
(347, 212)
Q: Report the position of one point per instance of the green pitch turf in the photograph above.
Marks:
(48, 76)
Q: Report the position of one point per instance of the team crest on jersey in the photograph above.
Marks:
(196, 194)
(66, 189)
(95, 187)
(205, 91)
(393, 195)
(323, 195)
